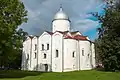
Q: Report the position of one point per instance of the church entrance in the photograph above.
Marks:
(46, 67)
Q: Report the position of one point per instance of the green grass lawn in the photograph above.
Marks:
(77, 75)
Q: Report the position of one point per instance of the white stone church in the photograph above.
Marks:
(60, 50)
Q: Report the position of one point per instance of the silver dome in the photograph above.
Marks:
(61, 15)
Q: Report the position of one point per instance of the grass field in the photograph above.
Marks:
(77, 75)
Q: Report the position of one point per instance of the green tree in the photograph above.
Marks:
(108, 43)
(12, 15)
(14, 59)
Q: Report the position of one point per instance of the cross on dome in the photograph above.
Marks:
(61, 9)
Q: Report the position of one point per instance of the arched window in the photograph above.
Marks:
(45, 56)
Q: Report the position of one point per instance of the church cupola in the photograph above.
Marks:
(61, 21)
(61, 15)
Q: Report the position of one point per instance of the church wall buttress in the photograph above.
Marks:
(70, 55)
(57, 51)
(44, 52)
(85, 54)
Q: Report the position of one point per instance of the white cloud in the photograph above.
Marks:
(41, 12)
(85, 25)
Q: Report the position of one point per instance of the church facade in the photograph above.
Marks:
(60, 50)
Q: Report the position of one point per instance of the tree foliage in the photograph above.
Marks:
(12, 15)
(108, 43)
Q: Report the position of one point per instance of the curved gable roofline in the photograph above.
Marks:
(69, 33)
(76, 32)
(31, 36)
(28, 37)
(65, 32)
(76, 37)
(87, 37)
(57, 33)
(51, 33)
(35, 37)
(46, 32)
(62, 32)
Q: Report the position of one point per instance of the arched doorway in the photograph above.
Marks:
(46, 67)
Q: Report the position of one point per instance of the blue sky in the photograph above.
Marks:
(41, 13)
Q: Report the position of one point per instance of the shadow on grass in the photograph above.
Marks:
(17, 73)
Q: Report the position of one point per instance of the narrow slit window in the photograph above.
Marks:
(88, 55)
(42, 46)
(82, 52)
(35, 55)
(47, 46)
(73, 54)
(27, 56)
(57, 53)
(35, 46)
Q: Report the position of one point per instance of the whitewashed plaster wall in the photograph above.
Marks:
(64, 61)
(26, 54)
(44, 39)
(85, 60)
(23, 63)
(34, 54)
(70, 55)
(57, 44)
(93, 55)
(61, 25)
